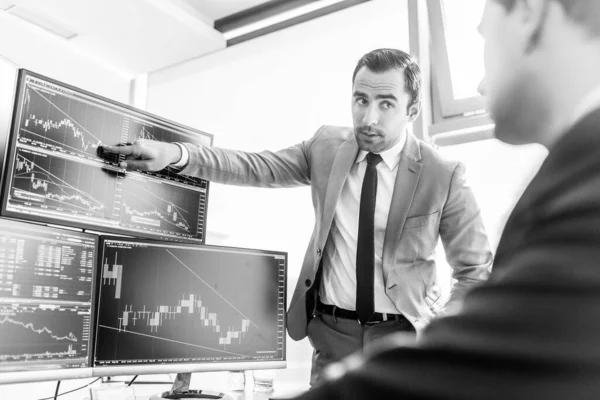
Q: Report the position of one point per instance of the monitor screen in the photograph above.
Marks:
(47, 278)
(55, 172)
(168, 307)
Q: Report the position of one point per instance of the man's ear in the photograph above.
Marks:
(413, 111)
(532, 15)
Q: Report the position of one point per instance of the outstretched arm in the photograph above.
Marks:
(288, 167)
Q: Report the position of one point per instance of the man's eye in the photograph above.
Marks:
(387, 104)
(361, 101)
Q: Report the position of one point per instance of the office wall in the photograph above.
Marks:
(270, 93)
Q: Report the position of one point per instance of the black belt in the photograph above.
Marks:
(349, 314)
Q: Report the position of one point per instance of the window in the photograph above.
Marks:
(457, 68)
(457, 54)
(464, 47)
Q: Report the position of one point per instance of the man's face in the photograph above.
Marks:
(508, 85)
(379, 109)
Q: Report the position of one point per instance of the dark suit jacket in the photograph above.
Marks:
(533, 330)
(431, 200)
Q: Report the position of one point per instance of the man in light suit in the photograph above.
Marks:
(419, 197)
(532, 331)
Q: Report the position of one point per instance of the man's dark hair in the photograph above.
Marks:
(383, 60)
(583, 12)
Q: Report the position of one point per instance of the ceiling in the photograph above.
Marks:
(133, 36)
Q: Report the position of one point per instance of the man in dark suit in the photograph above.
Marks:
(533, 330)
(374, 265)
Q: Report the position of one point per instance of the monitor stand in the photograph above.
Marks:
(182, 382)
(181, 390)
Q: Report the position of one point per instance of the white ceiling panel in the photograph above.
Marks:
(137, 36)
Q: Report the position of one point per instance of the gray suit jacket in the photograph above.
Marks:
(430, 200)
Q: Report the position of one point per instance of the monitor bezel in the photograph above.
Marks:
(10, 155)
(179, 367)
(36, 375)
(176, 368)
(45, 375)
(7, 112)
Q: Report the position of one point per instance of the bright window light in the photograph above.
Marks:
(464, 44)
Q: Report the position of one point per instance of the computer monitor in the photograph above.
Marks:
(168, 307)
(56, 173)
(47, 278)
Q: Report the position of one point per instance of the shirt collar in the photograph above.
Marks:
(391, 156)
(590, 102)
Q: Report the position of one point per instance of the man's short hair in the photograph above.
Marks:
(584, 12)
(383, 60)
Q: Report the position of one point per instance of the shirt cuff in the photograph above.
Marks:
(185, 157)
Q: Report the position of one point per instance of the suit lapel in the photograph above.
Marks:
(344, 159)
(407, 179)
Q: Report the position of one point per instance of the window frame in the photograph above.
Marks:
(445, 105)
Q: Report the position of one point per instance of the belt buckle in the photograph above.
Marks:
(384, 318)
(374, 322)
(333, 314)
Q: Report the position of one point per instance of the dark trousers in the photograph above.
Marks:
(334, 338)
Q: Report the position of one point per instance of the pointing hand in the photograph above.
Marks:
(146, 155)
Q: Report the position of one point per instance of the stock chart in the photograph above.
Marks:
(175, 303)
(46, 291)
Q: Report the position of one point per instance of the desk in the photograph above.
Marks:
(246, 395)
(288, 382)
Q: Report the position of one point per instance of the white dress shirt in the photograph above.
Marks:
(185, 157)
(338, 283)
